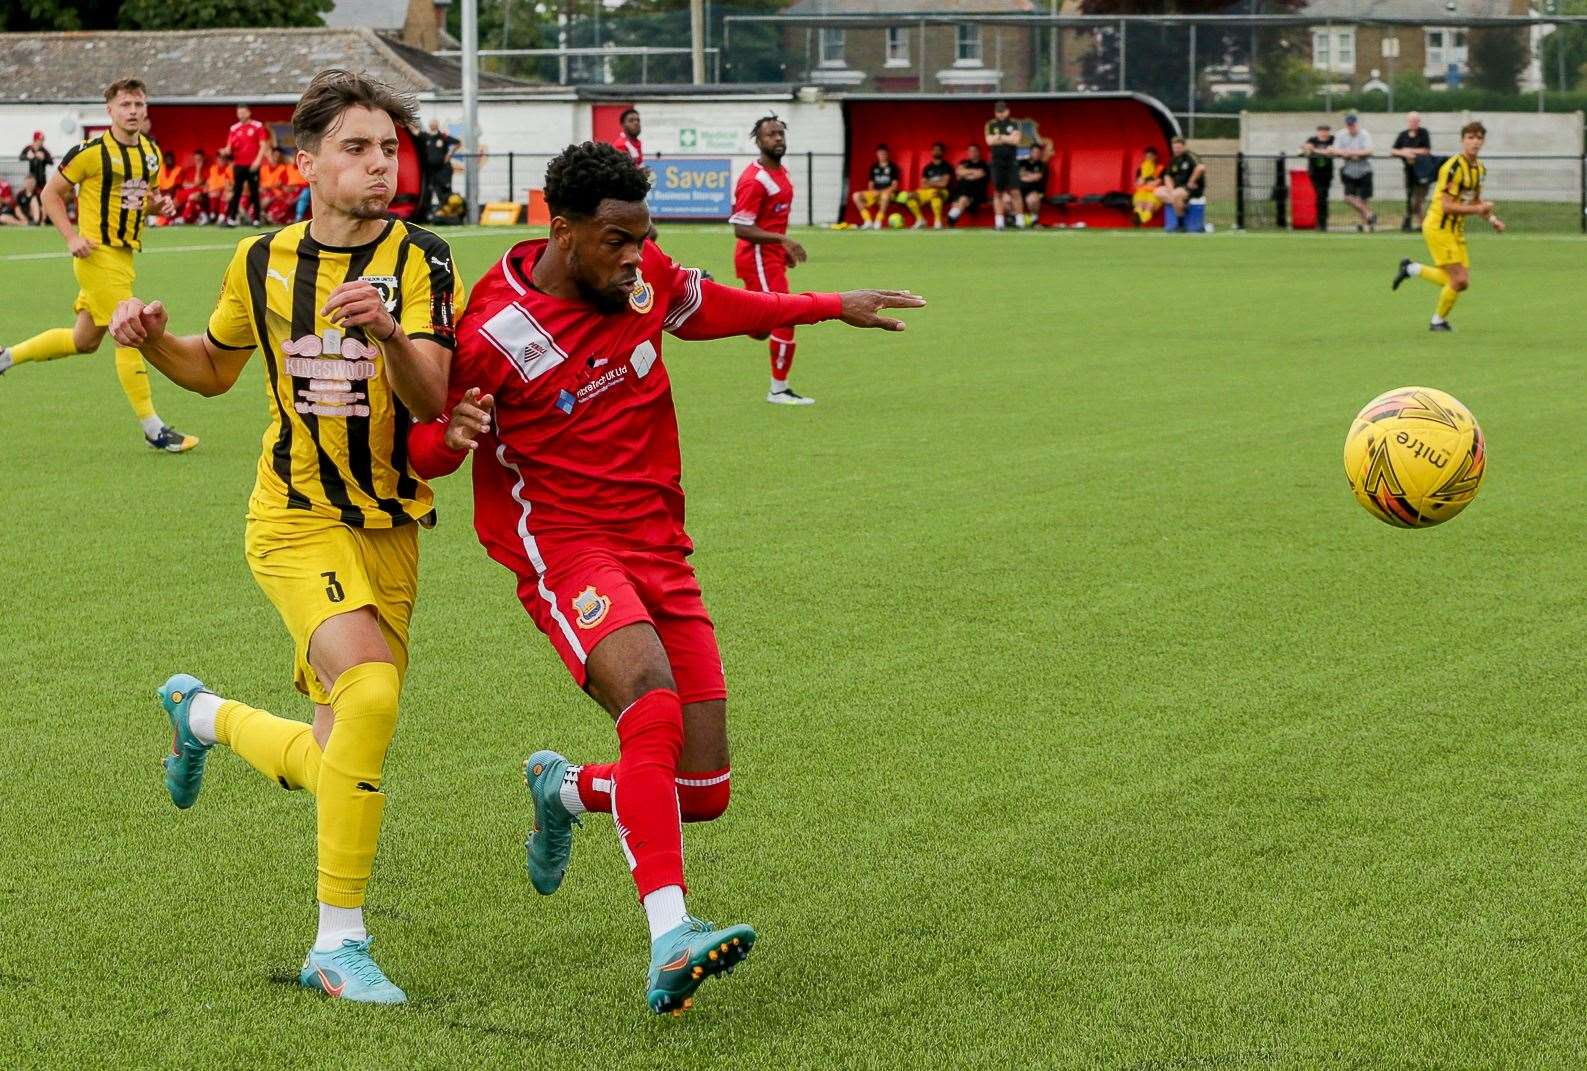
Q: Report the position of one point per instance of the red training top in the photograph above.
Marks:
(631, 146)
(246, 138)
(583, 447)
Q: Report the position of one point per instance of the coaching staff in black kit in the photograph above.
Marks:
(1003, 137)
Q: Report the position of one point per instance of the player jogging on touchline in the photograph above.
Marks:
(577, 490)
(116, 174)
(353, 312)
(1457, 194)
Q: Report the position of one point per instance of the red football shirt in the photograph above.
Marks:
(762, 197)
(583, 446)
(635, 151)
(245, 140)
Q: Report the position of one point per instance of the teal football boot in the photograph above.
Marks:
(687, 955)
(550, 843)
(184, 767)
(349, 972)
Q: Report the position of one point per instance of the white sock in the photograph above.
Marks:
(1019, 220)
(664, 910)
(151, 425)
(1413, 268)
(1000, 221)
(201, 716)
(954, 213)
(572, 802)
(339, 923)
(1437, 319)
(778, 384)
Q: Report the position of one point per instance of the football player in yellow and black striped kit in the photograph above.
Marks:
(353, 313)
(1458, 194)
(116, 174)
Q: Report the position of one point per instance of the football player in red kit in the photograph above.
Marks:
(558, 382)
(765, 252)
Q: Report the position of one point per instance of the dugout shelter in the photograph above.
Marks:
(1096, 141)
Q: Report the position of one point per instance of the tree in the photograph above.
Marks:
(1498, 55)
(1565, 50)
(22, 15)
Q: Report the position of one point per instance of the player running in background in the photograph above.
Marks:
(765, 252)
(627, 139)
(1032, 184)
(969, 189)
(1457, 194)
(935, 178)
(577, 490)
(117, 177)
(354, 314)
(885, 181)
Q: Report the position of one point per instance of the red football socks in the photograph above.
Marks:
(703, 796)
(644, 792)
(782, 353)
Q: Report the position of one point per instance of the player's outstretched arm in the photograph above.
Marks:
(189, 361)
(725, 311)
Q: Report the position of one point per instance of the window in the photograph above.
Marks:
(967, 45)
(897, 46)
(1445, 46)
(1334, 50)
(831, 41)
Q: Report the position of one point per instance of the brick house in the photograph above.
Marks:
(1361, 55)
(906, 56)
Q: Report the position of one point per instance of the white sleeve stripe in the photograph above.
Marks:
(742, 217)
(689, 305)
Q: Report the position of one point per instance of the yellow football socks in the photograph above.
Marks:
(1436, 276)
(47, 346)
(283, 750)
(350, 801)
(134, 376)
(865, 214)
(1446, 301)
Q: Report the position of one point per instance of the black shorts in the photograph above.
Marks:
(1358, 187)
(1003, 173)
(1028, 188)
(975, 194)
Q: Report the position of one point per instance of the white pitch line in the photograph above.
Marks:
(461, 232)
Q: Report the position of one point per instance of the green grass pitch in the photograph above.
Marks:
(1080, 717)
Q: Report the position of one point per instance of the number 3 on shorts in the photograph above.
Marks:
(333, 587)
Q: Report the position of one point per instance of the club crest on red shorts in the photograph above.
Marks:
(590, 606)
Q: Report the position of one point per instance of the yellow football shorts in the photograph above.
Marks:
(104, 278)
(314, 568)
(1446, 247)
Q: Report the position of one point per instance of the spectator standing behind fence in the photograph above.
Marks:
(1318, 150)
(250, 143)
(1415, 148)
(1354, 146)
(627, 139)
(38, 159)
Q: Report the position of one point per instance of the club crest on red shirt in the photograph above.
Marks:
(642, 297)
(591, 607)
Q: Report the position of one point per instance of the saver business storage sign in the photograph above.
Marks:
(694, 188)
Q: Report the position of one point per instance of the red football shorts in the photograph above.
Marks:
(762, 270)
(586, 597)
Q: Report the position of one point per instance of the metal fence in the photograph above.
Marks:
(1532, 193)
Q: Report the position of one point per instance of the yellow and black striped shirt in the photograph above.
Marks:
(1462, 181)
(114, 182)
(337, 444)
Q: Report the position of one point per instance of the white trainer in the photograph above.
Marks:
(788, 397)
(5, 360)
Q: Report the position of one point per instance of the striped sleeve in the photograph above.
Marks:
(78, 165)
(432, 294)
(231, 325)
(747, 200)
